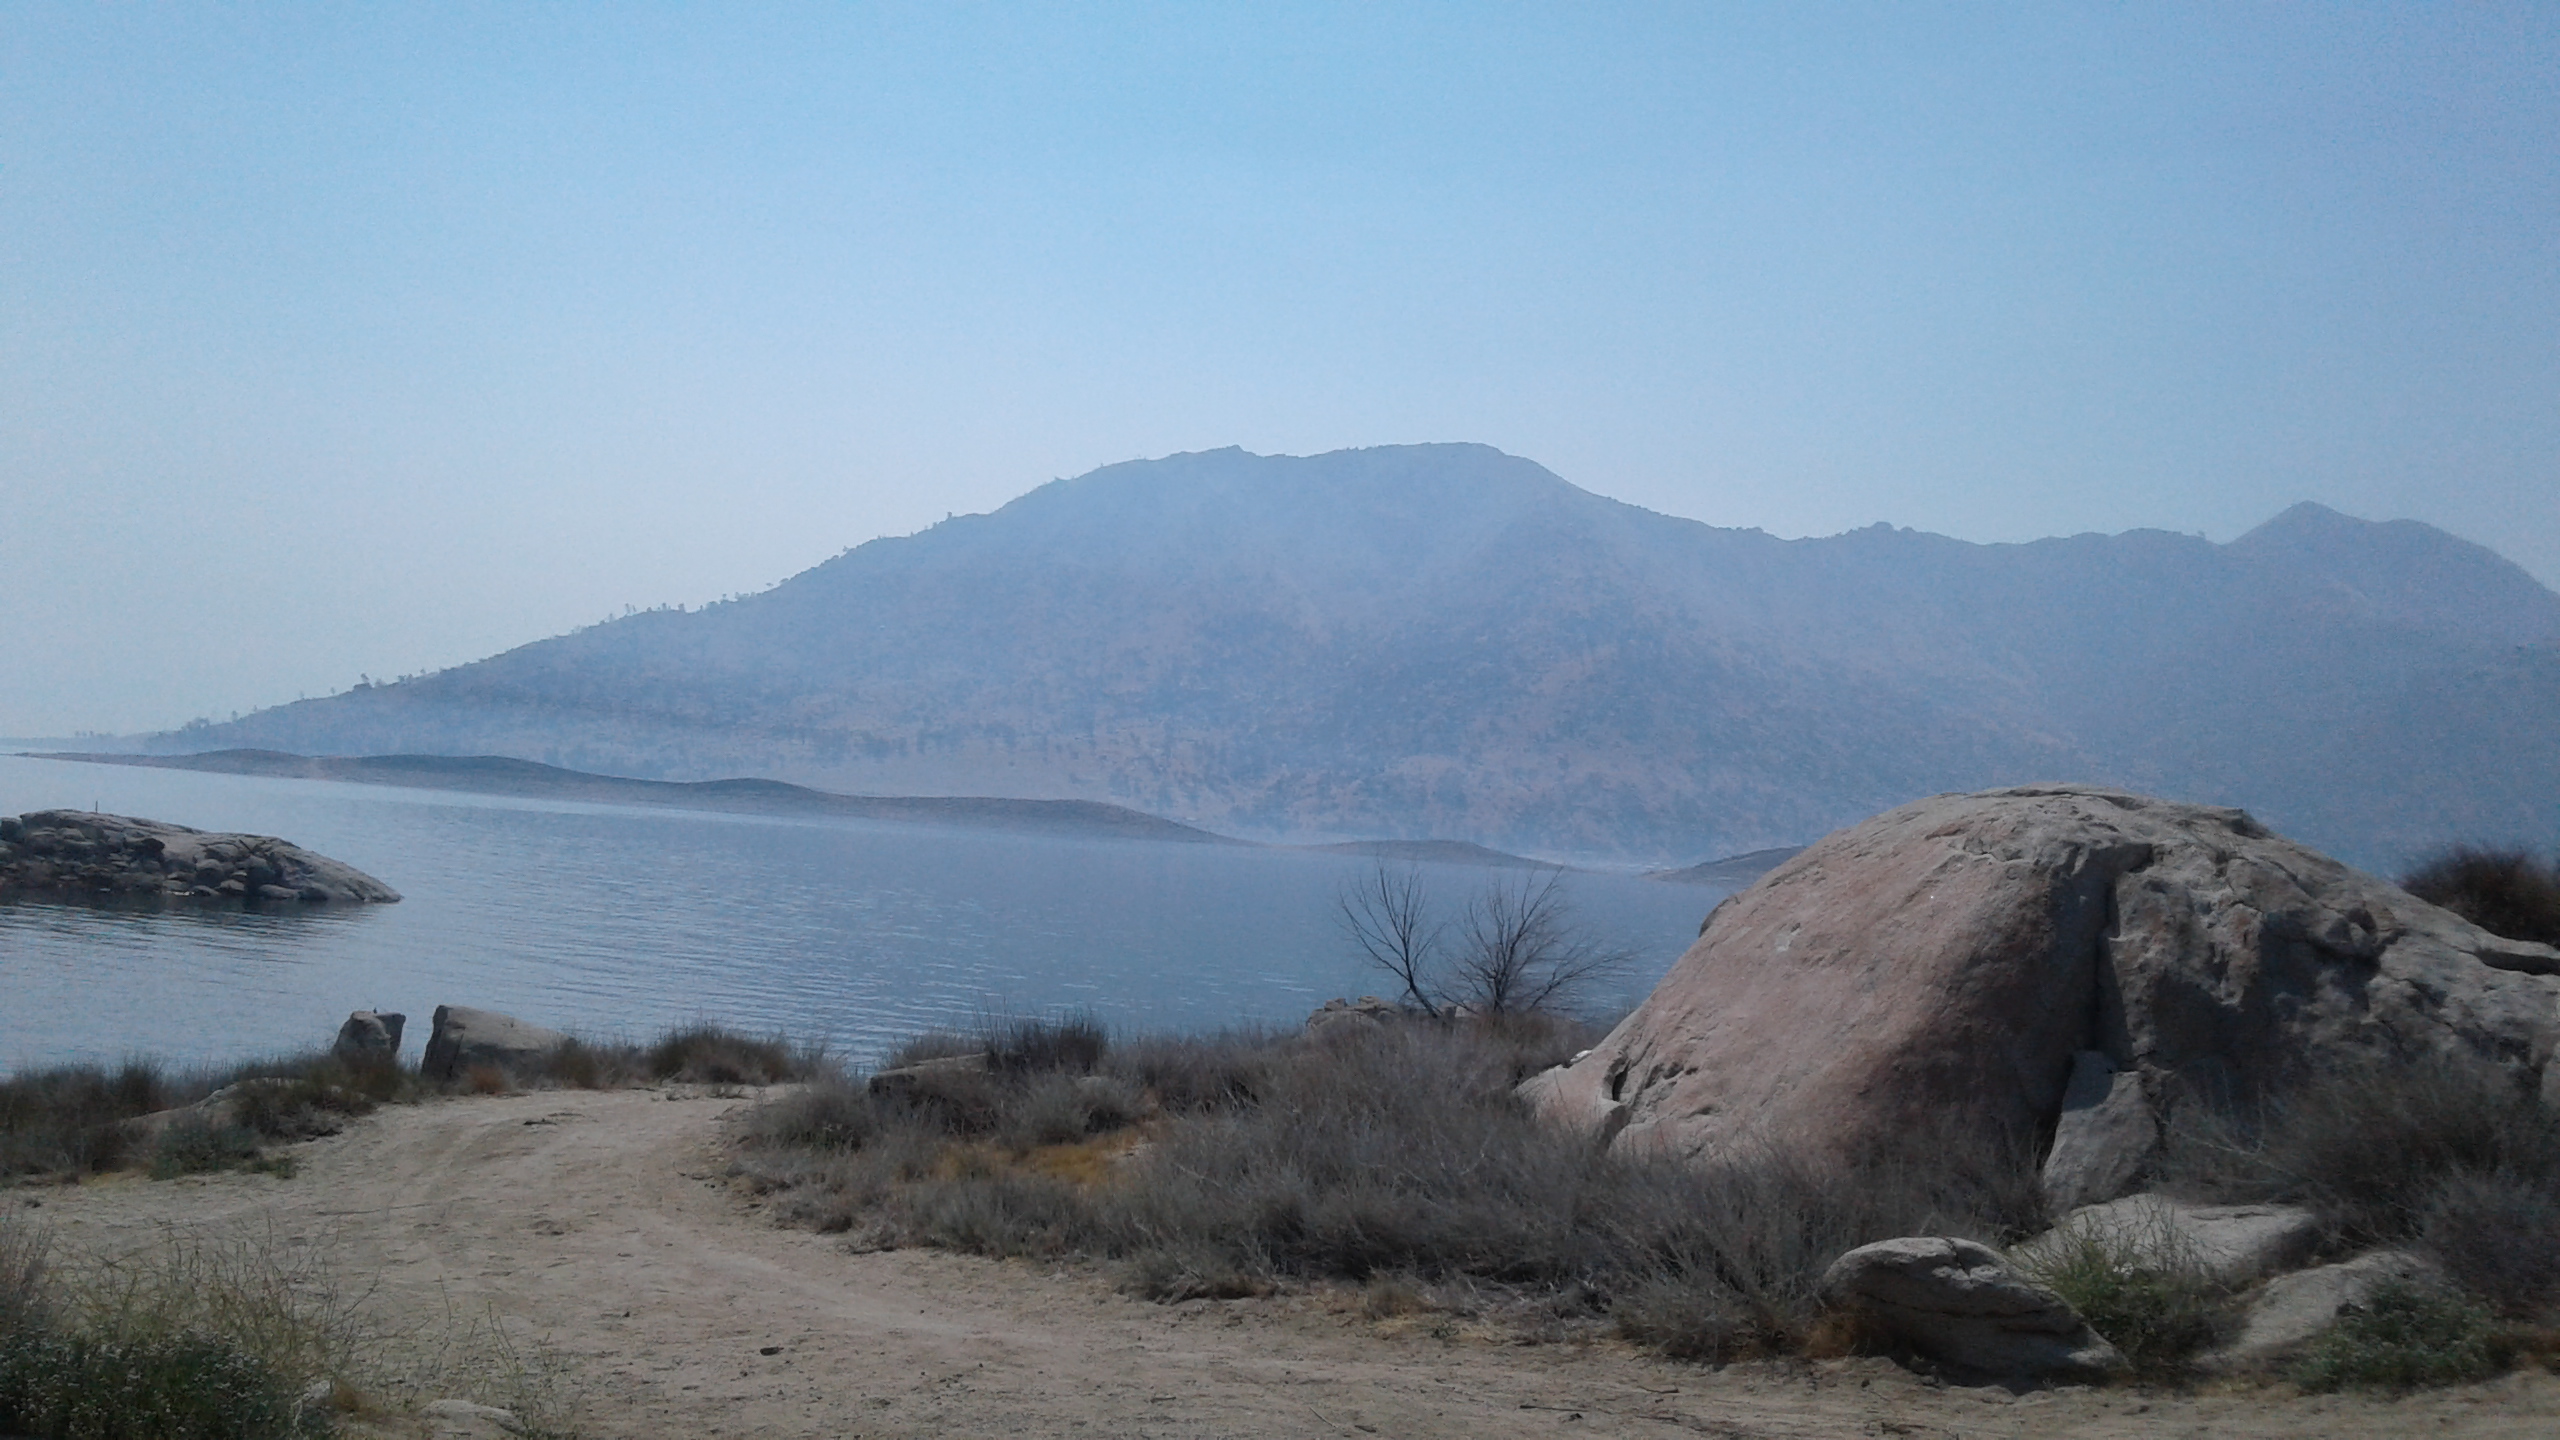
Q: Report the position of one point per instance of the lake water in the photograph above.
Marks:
(618, 922)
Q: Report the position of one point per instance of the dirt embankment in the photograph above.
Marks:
(596, 1227)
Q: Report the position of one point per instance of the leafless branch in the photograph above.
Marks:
(1522, 949)
(1386, 917)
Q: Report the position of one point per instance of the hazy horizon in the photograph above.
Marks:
(376, 342)
(101, 732)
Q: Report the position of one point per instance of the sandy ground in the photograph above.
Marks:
(596, 1228)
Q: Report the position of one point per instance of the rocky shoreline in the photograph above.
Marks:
(88, 856)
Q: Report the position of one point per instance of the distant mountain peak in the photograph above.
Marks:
(1446, 640)
(2405, 572)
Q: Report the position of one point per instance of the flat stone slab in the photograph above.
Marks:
(2232, 1244)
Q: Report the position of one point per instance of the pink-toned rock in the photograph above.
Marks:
(1942, 967)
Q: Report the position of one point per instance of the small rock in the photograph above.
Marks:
(370, 1034)
(1957, 1301)
(462, 1420)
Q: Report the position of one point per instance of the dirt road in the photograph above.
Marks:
(595, 1227)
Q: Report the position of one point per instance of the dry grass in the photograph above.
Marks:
(234, 1335)
(77, 1119)
(2456, 1159)
(2505, 892)
(82, 1119)
(1391, 1156)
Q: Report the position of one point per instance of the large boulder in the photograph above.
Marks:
(464, 1038)
(1951, 965)
(1958, 1302)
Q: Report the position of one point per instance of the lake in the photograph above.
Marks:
(618, 921)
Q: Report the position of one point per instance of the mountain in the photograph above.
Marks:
(1447, 641)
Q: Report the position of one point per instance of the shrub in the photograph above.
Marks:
(183, 1341)
(70, 1118)
(2503, 891)
(22, 1302)
(2143, 1293)
(695, 1054)
(2368, 1146)
(581, 1066)
(175, 1387)
(831, 1113)
(1072, 1044)
(2498, 1234)
(1190, 1073)
(1725, 1261)
(74, 1118)
(195, 1144)
(2400, 1338)
(1394, 1153)
(1058, 1109)
(710, 1055)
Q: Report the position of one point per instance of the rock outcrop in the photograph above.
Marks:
(83, 855)
(465, 1038)
(1958, 1302)
(1339, 1015)
(1957, 961)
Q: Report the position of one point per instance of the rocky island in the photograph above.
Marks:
(85, 855)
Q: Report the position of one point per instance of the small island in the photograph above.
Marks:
(89, 856)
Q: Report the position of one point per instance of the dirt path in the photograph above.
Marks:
(595, 1225)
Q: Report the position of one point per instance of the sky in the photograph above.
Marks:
(367, 340)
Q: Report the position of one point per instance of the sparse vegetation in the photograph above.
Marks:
(2506, 892)
(80, 1119)
(2403, 1337)
(227, 1336)
(191, 1340)
(1391, 1155)
(2454, 1158)
(87, 1119)
(2456, 1161)
(2144, 1293)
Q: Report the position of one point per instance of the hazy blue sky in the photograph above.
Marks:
(378, 338)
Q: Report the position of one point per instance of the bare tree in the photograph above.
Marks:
(1385, 914)
(1522, 949)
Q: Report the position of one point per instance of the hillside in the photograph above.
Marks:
(501, 775)
(1446, 641)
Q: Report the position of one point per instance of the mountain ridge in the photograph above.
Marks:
(1449, 641)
